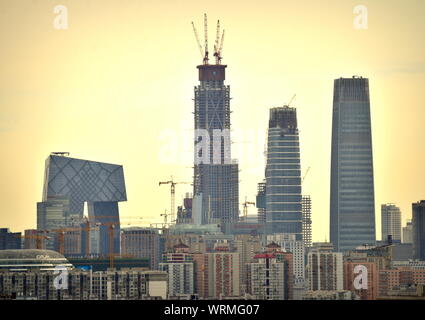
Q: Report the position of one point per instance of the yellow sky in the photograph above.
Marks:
(117, 86)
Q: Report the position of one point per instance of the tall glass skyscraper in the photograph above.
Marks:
(352, 201)
(283, 174)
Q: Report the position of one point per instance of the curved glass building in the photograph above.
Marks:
(283, 174)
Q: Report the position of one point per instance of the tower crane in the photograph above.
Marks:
(305, 175)
(173, 194)
(218, 44)
(245, 208)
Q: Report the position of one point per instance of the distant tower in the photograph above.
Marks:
(352, 199)
(215, 173)
(391, 222)
(283, 174)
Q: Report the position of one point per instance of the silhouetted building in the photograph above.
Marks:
(9, 240)
(418, 233)
(352, 198)
(407, 232)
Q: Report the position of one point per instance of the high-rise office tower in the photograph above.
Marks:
(215, 173)
(69, 183)
(418, 232)
(283, 174)
(352, 208)
(390, 222)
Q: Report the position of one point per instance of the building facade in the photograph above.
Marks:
(307, 223)
(324, 268)
(141, 243)
(364, 285)
(352, 198)
(283, 174)
(271, 275)
(179, 266)
(288, 244)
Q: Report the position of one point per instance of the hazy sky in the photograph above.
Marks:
(117, 86)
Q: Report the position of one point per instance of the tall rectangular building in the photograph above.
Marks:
(418, 232)
(324, 268)
(352, 200)
(391, 222)
(283, 174)
(215, 173)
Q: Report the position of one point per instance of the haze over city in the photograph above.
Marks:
(119, 80)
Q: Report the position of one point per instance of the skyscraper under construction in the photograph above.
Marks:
(216, 194)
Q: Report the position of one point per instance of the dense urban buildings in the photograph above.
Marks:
(270, 274)
(352, 199)
(283, 174)
(390, 222)
(418, 232)
(179, 267)
(129, 284)
(288, 243)
(69, 183)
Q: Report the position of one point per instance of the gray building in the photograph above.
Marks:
(407, 232)
(418, 234)
(283, 174)
(352, 208)
(69, 183)
(10, 240)
(390, 222)
(216, 175)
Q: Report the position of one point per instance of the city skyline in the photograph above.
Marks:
(103, 102)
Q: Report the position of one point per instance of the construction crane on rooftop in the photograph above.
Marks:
(173, 194)
(218, 44)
